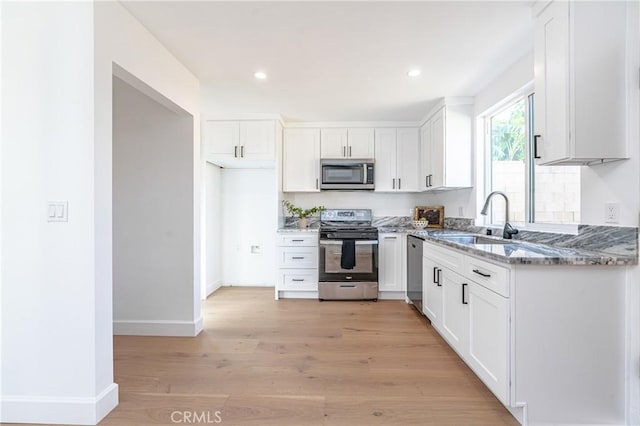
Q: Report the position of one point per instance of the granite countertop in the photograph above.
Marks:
(515, 252)
(522, 252)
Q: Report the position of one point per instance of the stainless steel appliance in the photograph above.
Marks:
(414, 271)
(346, 174)
(348, 267)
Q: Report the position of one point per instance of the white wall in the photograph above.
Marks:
(249, 218)
(152, 216)
(57, 65)
(213, 209)
(382, 203)
(56, 336)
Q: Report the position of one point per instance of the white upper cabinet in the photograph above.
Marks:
(396, 159)
(580, 82)
(347, 143)
(445, 152)
(361, 143)
(301, 160)
(333, 143)
(240, 144)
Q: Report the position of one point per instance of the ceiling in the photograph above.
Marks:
(339, 61)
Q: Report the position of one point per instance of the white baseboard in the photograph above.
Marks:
(157, 328)
(212, 287)
(71, 410)
(391, 295)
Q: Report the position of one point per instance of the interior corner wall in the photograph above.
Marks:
(152, 216)
(213, 208)
(123, 43)
(57, 365)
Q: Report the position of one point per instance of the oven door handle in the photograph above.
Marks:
(339, 242)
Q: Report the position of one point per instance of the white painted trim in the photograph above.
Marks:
(50, 410)
(212, 288)
(298, 295)
(248, 285)
(241, 116)
(446, 101)
(391, 295)
(350, 124)
(157, 328)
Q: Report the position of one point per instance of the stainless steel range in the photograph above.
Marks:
(348, 256)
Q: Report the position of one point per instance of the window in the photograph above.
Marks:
(537, 194)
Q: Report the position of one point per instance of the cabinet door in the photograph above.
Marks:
(222, 139)
(385, 157)
(361, 143)
(390, 269)
(437, 150)
(551, 41)
(257, 140)
(301, 160)
(425, 156)
(488, 338)
(408, 160)
(432, 291)
(455, 315)
(334, 143)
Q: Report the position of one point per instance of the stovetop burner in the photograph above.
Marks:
(347, 224)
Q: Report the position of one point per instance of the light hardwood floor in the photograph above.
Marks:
(300, 362)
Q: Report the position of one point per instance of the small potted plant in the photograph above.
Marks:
(300, 213)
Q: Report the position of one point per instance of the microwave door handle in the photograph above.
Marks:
(364, 168)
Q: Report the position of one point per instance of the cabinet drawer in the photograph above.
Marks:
(298, 257)
(298, 279)
(489, 275)
(449, 258)
(293, 239)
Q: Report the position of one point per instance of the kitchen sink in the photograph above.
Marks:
(474, 239)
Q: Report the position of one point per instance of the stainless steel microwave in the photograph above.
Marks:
(347, 174)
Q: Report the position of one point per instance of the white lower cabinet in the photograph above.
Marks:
(455, 313)
(297, 274)
(431, 292)
(471, 314)
(390, 269)
(488, 329)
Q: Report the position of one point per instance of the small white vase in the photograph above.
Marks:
(302, 222)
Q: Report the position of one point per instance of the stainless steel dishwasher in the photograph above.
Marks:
(414, 271)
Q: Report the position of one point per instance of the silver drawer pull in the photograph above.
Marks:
(347, 285)
(298, 257)
(297, 280)
(297, 241)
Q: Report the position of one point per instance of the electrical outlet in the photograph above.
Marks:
(460, 211)
(612, 213)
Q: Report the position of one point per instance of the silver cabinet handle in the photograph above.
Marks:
(317, 187)
(390, 238)
(349, 151)
(297, 257)
(242, 151)
(399, 183)
(297, 280)
(344, 151)
(393, 183)
(235, 151)
(297, 241)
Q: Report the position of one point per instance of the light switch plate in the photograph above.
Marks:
(58, 211)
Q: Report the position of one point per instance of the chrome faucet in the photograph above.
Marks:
(508, 230)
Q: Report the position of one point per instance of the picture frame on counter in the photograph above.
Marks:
(434, 214)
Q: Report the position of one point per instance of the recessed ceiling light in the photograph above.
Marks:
(414, 72)
(260, 75)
